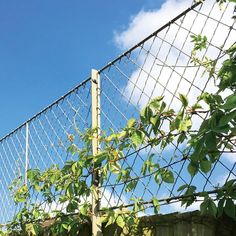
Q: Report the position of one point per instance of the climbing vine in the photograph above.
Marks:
(70, 186)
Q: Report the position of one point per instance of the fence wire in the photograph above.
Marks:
(47, 144)
(160, 65)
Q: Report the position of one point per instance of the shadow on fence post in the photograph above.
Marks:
(96, 222)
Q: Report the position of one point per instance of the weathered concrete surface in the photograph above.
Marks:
(175, 224)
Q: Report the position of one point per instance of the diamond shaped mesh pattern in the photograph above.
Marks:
(160, 65)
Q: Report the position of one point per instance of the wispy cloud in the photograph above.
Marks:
(109, 199)
(163, 64)
(177, 206)
(165, 60)
(146, 22)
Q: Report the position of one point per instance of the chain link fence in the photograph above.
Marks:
(42, 142)
(160, 65)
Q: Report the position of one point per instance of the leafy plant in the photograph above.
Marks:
(71, 185)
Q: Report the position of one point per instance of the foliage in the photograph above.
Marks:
(71, 185)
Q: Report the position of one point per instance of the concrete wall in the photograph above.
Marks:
(185, 224)
(175, 224)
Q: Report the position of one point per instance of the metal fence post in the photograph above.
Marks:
(26, 150)
(96, 222)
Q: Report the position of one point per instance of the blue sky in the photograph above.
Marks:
(48, 47)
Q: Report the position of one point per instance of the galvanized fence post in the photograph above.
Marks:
(96, 222)
(26, 150)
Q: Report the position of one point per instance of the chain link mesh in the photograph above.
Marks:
(162, 65)
(47, 144)
(158, 66)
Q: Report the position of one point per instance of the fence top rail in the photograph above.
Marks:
(151, 35)
(46, 108)
(104, 68)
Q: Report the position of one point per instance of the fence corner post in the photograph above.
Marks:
(26, 150)
(95, 92)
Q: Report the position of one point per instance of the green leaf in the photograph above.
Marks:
(69, 190)
(185, 124)
(183, 99)
(99, 158)
(221, 129)
(227, 74)
(148, 165)
(124, 174)
(74, 167)
(155, 103)
(156, 205)
(115, 167)
(72, 149)
(192, 169)
(131, 185)
(227, 118)
(200, 42)
(33, 174)
(182, 187)
(178, 119)
(189, 192)
(163, 106)
(167, 176)
(203, 194)
(111, 137)
(32, 229)
(233, 131)
(196, 106)
(120, 221)
(131, 123)
(122, 134)
(72, 206)
(157, 178)
(146, 114)
(221, 207)
(155, 121)
(137, 138)
(208, 207)
(84, 209)
(205, 165)
(211, 141)
(182, 137)
(230, 102)
(138, 205)
(229, 208)
(20, 199)
(144, 168)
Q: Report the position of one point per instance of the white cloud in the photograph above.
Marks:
(175, 206)
(109, 199)
(167, 73)
(146, 22)
(164, 66)
(195, 206)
